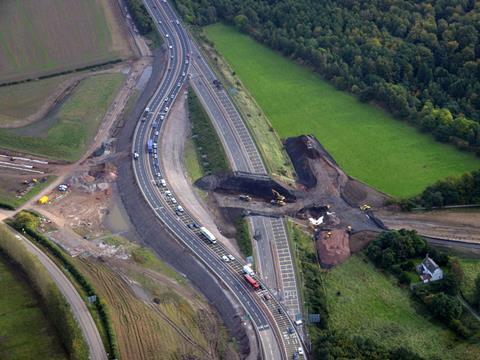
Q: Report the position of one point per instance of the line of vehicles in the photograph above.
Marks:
(148, 136)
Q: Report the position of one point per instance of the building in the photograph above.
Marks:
(429, 270)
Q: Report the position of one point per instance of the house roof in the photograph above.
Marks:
(430, 265)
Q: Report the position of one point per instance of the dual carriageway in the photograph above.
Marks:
(277, 333)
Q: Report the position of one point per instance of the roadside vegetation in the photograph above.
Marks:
(268, 143)
(27, 223)
(244, 240)
(207, 144)
(31, 44)
(52, 301)
(470, 287)
(366, 141)
(66, 134)
(143, 21)
(191, 160)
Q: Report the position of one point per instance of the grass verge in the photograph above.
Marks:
(244, 240)
(57, 309)
(269, 144)
(207, 144)
(362, 300)
(68, 134)
(192, 163)
(366, 141)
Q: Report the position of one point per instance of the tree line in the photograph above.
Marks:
(418, 58)
(463, 190)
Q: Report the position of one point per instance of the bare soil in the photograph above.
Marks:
(458, 224)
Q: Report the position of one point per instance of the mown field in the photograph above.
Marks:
(50, 36)
(25, 332)
(364, 302)
(366, 141)
(66, 134)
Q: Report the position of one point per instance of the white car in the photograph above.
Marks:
(155, 156)
(300, 351)
(225, 258)
(170, 46)
(156, 133)
(231, 257)
(180, 208)
(168, 193)
(166, 35)
(174, 201)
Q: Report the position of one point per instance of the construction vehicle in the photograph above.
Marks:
(246, 198)
(43, 200)
(278, 198)
(349, 229)
(365, 207)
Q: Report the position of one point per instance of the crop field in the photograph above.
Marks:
(364, 302)
(44, 37)
(145, 331)
(9, 186)
(367, 142)
(471, 269)
(66, 134)
(25, 332)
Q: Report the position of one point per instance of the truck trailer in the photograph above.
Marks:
(252, 281)
(150, 145)
(208, 235)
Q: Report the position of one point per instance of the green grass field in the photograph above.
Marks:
(25, 332)
(22, 100)
(367, 142)
(68, 134)
(49, 36)
(371, 305)
(471, 268)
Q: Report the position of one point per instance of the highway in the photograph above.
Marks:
(77, 304)
(267, 315)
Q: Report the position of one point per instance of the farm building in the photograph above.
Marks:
(429, 270)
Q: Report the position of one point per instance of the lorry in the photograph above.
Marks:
(150, 145)
(248, 270)
(252, 281)
(208, 235)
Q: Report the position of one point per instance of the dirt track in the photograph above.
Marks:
(463, 225)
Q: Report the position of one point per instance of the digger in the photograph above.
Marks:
(278, 198)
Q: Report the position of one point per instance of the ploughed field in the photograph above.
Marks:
(44, 37)
(367, 142)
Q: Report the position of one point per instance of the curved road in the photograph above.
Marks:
(77, 305)
(148, 174)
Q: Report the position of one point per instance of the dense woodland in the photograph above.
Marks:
(418, 58)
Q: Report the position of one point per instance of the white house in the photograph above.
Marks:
(429, 270)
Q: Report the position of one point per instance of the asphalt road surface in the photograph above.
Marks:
(148, 174)
(77, 304)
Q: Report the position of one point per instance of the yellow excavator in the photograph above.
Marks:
(278, 199)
